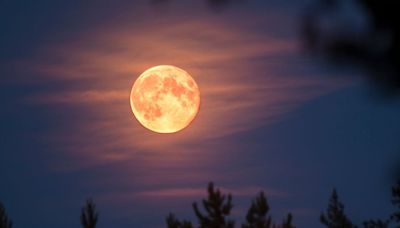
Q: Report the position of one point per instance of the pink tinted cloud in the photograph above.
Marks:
(237, 94)
(201, 192)
(244, 82)
(248, 79)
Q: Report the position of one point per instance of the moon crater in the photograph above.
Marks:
(165, 99)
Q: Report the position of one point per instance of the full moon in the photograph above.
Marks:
(165, 99)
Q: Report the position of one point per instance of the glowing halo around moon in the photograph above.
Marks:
(165, 99)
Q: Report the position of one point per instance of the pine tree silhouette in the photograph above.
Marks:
(89, 215)
(5, 222)
(395, 217)
(217, 207)
(376, 224)
(287, 223)
(173, 222)
(335, 217)
(343, 45)
(257, 215)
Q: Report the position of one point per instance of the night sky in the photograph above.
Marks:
(272, 117)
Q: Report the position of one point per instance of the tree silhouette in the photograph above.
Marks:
(396, 202)
(287, 223)
(217, 207)
(173, 222)
(5, 222)
(376, 224)
(89, 215)
(376, 48)
(335, 217)
(257, 215)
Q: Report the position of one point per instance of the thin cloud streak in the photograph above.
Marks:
(194, 193)
(220, 61)
(271, 118)
(76, 97)
(244, 80)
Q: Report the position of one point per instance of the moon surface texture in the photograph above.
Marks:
(165, 99)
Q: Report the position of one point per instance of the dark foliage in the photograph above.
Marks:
(5, 222)
(257, 215)
(335, 216)
(89, 215)
(376, 48)
(376, 224)
(287, 223)
(217, 207)
(396, 202)
(395, 216)
(173, 222)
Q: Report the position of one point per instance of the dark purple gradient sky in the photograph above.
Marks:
(272, 118)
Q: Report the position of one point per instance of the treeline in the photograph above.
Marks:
(89, 216)
(216, 209)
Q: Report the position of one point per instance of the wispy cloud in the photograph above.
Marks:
(194, 193)
(243, 79)
(248, 78)
(76, 97)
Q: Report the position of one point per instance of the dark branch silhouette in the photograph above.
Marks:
(376, 224)
(287, 223)
(374, 46)
(173, 222)
(89, 215)
(5, 222)
(335, 216)
(395, 217)
(217, 207)
(257, 215)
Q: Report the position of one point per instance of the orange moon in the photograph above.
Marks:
(165, 99)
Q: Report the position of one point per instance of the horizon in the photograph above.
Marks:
(272, 116)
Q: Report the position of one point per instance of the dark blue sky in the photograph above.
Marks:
(272, 118)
